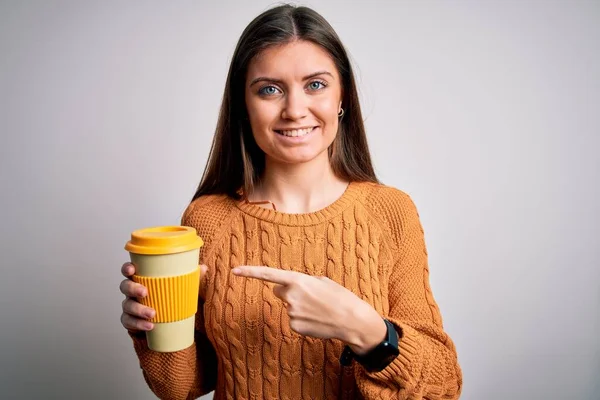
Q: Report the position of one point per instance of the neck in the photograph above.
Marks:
(299, 188)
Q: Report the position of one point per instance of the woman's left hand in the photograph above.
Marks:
(321, 308)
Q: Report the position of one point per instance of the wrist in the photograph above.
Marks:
(368, 330)
(378, 358)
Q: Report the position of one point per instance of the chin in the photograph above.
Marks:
(299, 158)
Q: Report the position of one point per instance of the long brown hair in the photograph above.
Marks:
(235, 161)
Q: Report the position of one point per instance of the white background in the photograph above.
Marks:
(486, 112)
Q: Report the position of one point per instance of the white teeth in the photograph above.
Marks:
(296, 132)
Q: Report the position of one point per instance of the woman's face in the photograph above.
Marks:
(293, 96)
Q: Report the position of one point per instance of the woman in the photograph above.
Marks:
(316, 279)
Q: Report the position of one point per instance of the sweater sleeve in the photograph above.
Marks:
(427, 367)
(185, 374)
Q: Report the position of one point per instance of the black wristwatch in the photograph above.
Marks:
(378, 358)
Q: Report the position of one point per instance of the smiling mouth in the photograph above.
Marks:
(295, 132)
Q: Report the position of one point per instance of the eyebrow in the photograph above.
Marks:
(267, 79)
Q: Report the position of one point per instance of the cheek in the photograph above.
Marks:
(328, 113)
(257, 122)
(261, 115)
(328, 107)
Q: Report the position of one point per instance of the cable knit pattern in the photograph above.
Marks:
(291, 347)
(362, 254)
(313, 349)
(334, 272)
(272, 310)
(217, 320)
(234, 311)
(253, 318)
(371, 241)
(351, 279)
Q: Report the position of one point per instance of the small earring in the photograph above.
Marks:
(341, 113)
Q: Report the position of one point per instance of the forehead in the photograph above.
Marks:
(291, 60)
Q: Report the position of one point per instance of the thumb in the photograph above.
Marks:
(203, 275)
(203, 281)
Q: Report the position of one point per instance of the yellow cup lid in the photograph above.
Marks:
(164, 240)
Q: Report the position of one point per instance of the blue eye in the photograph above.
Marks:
(316, 85)
(268, 90)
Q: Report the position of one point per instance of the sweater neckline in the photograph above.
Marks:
(313, 218)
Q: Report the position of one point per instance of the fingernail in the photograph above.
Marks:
(150, 314)
(236, 271)
(148, 326)
(143, 293)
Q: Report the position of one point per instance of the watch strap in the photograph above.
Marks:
(372, 361)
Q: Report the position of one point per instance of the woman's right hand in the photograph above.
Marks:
(135, 315)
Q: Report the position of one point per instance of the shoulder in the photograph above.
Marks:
(216, 205)
(386, 199)
(378, 191)
(207, 214)
(392, 207)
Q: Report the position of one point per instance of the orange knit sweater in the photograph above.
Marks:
(371, 241)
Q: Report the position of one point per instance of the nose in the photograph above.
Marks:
(296, 105)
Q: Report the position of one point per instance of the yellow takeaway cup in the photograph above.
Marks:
(166, 263)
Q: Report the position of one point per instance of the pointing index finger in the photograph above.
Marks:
(268, 274)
